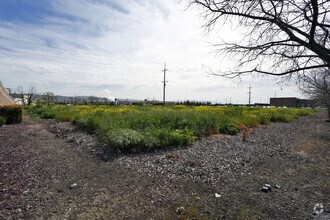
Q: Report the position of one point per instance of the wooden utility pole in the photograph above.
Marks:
(164, 83)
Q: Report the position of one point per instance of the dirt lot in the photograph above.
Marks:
(62, 175)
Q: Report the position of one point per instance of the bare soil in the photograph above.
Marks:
(64, 174)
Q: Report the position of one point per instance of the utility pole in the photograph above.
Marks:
(250, 94)
(164, 83)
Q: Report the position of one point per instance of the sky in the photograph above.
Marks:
(117, 49)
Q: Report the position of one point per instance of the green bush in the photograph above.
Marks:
(264, 118)
(12, 113)
(2, 121)
(144, 128)
(281, 117)
(230, 129)
(129, 140)
(123, 140)
(167, 137)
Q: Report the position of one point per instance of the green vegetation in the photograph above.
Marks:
(11, 114)
(144, 128)
(2, 121)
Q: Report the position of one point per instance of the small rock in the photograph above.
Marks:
(268, 186)
(277, 186)
(180, 210)
(318, 209)
(73, 185)
(265, 189)
(217, 195)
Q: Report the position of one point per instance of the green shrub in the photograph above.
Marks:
(305, 111)
(123, 140)
(181, 137)
(2, 121)
(281, 117)
(144, 128)
(12, 113)
(230, 129)
(264, 118)
(38, 103)
(176, 137)
(64, 117)
(150, 142)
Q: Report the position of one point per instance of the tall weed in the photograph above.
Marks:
(144, 128)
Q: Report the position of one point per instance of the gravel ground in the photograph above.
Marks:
(209, 160)
(64, 174)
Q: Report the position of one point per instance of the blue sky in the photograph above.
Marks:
(20, 10)
(114, 48)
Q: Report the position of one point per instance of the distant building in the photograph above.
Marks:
(261, 104)
(307, 103)
(119, 101)
(18, 98)
(292, 102)
(5, 99)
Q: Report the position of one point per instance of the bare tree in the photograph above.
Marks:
(283, 37)
(21, 93)
(31, 95)
(316, 85)
(27, 96)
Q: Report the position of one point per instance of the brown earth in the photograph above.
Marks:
(43, 176)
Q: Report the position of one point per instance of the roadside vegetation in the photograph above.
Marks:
(144, 128)
(11, 114)
(2, 121)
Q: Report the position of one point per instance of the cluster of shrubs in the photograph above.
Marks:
(144, 128)
(11, 114)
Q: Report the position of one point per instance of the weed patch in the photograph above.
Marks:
(145, 128)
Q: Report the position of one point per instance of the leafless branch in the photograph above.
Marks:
(291, 36)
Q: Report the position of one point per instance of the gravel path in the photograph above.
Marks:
(64, 174)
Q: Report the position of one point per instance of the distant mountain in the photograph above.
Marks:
(79, 99)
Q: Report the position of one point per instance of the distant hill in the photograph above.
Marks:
(81, 99)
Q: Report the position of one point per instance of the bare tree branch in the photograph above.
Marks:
(283, 38)
(316, 84)
(27, 96)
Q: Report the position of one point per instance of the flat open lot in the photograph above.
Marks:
(47, 177)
